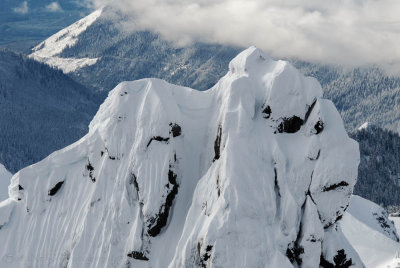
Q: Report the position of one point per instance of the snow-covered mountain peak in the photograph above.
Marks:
(255, 172)
(249, 60)
(49, 50)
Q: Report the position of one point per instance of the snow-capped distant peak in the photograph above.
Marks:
(48, 51)
(364, 126)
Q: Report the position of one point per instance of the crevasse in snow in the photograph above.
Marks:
(254, 172)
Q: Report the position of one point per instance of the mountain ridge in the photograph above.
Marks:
(269, 181)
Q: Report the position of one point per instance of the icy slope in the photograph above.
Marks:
(5, 177)
(255, 172)
(369, 230)
(48, 50)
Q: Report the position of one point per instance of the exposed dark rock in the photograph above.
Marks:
(138, 256)
(110, 156)
(340, 261)
(175, 130)
(324, 263)
(90, 168)
(218, 187)
(309, 110)
(172, 177)
(338, 218)
(206, 256)
(217, 144)
(335, 186)
(267, 112)
(55, 189)
(319, 127)
(290, 125)
(157, 138)
(160, 220)
(313, 239)
(293, 253)
(309, 187)
(383, 222)
(20, 188)
(277, 190)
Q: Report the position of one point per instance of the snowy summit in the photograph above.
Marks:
(255, 172)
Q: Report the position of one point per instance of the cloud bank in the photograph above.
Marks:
(351, 32)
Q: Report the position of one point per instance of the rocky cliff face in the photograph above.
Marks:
(254, 172)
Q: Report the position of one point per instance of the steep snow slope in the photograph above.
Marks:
(255, 172)
(48, 50)
(5, 177)
(372, 234)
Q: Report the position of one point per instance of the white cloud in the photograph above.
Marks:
(341, 31)
(54, 7)
(22, 9)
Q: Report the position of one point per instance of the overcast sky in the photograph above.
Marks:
(353, 32)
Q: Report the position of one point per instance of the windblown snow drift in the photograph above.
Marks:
(255, 172)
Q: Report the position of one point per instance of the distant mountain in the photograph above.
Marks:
(379, 169)
(361, 94)
(99, 55)
(255, 172)
(41, 110)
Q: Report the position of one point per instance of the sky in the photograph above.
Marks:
(351, 32)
